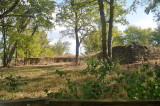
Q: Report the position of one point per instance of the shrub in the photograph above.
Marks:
(90, 89)
(140, 84)
(13, 82)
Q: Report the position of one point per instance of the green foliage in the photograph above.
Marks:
(31, 11)
(78, 18)
(137, 35)
(153, 6)
(47, 51)
(32, 46)
(156, 37)
(60, 48)
(13, 82)
(102, 67)
(143, 84)
(25, 19)
(60, 73)
(90, 89)
(69, 93)
(93, 43)
(118, 40)
(94, 90)
(72, 14)
(120, 12)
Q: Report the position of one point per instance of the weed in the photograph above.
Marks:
(13, 82)
(141, 84)
(90, 89)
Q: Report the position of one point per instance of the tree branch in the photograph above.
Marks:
(86, 34)
(34, 30)
(30, 16)
(10, 9)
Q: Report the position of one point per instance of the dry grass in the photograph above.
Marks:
(39, 78)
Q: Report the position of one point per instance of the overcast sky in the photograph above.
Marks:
(140, 18)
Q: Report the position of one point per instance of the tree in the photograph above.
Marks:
(155, 40)
(9, 9)
(117, 37)
(27, 15)
(116, 14)
(93, 42)
(32, 46)
(104, 31)
(137, 35)
(153, 6)
(118, 40)
(60, 48)
(150, 6)
(77, 18)
(48, 51)
(111, 17)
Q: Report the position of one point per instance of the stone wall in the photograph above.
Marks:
(154, 53)
(42, 61)
(131, 53)
(126, 54)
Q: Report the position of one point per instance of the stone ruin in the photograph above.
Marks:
(154, 53)
(125, 54)
(128, 54)
(44, 61)
(131, 53)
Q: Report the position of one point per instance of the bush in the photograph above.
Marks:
(91, 89)
(144, 84)
(140, 84)
(13, 82)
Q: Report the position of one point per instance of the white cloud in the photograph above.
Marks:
(146, 23)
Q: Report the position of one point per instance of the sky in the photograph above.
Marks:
(138, 18)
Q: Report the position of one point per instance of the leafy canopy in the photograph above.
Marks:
(137, 35)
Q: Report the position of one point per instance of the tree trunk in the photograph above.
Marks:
(25, 55)
(16, 55)
(77, 39)
(11, 53)
(110, 29)
(77, 49)
(4, 48)
(76, 33)
(4, 44)
(103, 22)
